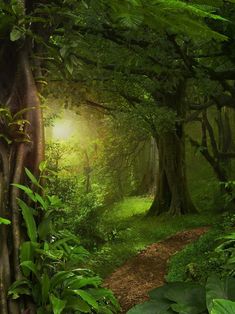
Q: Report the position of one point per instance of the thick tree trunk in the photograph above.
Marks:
(172, 193)
(17, 92)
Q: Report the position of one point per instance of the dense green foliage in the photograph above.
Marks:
(155, 83)
(51, 262)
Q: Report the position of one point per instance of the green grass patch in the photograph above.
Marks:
(197, 260)
(130, 231)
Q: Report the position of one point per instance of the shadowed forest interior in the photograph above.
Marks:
(117, 157)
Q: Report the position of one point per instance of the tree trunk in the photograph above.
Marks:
(172, 193)
(24, 147)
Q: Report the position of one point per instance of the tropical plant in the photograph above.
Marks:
(191, 298)
(50, 261)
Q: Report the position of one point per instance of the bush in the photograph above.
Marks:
(52, 262)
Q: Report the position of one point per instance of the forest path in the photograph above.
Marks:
(131, 282)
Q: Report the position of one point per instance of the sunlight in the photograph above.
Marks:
(63, 130)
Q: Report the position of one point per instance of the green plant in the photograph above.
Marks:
(4, 221)
(197, 260)
(50, 261)
(227, 251)
(229, 197)
(191, 298)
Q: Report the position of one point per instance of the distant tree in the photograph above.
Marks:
(144, 72)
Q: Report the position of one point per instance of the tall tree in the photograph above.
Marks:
(31, 32)
(146, 71)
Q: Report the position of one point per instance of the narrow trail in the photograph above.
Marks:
(131, 282)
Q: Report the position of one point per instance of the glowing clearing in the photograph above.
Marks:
(63, 130)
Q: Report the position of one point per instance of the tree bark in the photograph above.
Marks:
(172, 193)
(17, 92)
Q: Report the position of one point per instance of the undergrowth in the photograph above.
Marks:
(128, 231)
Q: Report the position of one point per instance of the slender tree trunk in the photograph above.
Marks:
(18, 93)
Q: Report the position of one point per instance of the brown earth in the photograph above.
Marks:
(131, 282)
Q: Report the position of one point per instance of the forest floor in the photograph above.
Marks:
(146, 271)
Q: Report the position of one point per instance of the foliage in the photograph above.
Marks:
(196, 261)
(12, 127)
(50, 262)
(126, 231)
(4, 221)
(191, 298)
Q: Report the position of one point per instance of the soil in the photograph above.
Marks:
(131, 282)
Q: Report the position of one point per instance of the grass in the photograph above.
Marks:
(129, 231)
(197, 260)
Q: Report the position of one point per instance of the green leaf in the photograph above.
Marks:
(42, 202)
(57, 304)
(87, 297)
(43, 165)
(26, 254)
(15, 34)
(27, 190)
(32, 178)
(151, 307)
(85, 281)
(77, 304)
(19, 287)
(104, 294)
(219, 289)
(32, 267)
(44, 228)
(220, 306)
(69, 66)
(187, 295)
(29, 220)
(4, 221)
(45, 284)
(60, 277)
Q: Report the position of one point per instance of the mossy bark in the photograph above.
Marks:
(18, 92)
(172, 194)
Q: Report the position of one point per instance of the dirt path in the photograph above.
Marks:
(131, 282)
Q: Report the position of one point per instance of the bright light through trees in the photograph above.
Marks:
(63, 130)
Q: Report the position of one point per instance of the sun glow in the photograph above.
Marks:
(63, 130)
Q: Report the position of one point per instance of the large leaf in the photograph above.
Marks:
(219, 289)
(60, 277)
(77, 304)
(27, 190)
(151, 307)
(42, 202)
(32, 178)
(221, 306)
(20, 287)
(87, 298)
(32, 267)
(29, 220)
(57, 304)
(81, 282)
(187, 296)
